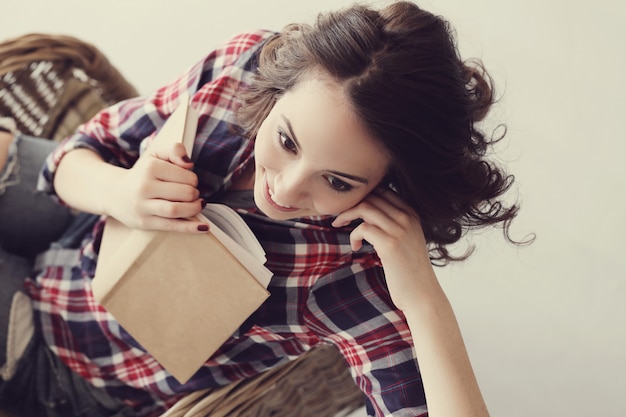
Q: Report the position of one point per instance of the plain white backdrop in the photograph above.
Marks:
(545, 326)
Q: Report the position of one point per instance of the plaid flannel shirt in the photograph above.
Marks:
(321, 291)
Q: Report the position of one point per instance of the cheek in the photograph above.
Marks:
(262, 149)
(329, 203)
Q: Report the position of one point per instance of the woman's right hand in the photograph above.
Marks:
(159, 192)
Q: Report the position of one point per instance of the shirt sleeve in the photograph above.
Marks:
(120, 133)
(352, 310)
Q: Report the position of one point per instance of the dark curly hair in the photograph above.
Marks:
(402, 72)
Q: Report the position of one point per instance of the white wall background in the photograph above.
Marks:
(545, 325)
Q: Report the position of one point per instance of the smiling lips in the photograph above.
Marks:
(269, 196)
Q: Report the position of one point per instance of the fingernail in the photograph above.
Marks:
(203, 228)
(203, 203)
(186, 159)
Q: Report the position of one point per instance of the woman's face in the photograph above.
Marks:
(312, 154)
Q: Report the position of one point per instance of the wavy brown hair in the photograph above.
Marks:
(402, 72)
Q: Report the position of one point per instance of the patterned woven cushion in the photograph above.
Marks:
(317, 384)
(52, 83)
(49, 100)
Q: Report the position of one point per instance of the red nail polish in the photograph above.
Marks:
(186, 159)
(203, 228)
(203, 203)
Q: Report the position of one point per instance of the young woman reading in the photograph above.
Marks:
(351, 148)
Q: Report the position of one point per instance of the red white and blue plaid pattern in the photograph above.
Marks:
(321, 291)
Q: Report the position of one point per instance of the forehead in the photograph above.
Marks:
(327, 127)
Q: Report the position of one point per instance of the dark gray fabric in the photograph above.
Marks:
(30, 220)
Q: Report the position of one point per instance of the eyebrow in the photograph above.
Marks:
(290, 128)
(351, 177)
(338, 173)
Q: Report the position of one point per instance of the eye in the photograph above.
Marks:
(338, 185)
(286, 142)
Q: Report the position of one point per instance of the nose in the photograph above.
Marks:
(290, 188)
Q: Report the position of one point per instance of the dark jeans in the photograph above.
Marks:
(45, 387)
(29, 222)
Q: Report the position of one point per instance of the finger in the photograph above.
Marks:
(393, 222)
(372, 234)
(169, 172)
(172, 210)
(396, 210)
(171, 191)
(356, 238)
(173, 153)
(176, 225)
(368, 210)
(387, 245)
(390, 205)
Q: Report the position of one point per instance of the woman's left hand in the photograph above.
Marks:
(395, 231)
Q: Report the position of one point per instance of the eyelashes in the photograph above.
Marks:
(338, 185)
(286, 142)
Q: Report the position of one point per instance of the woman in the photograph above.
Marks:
(351, 149)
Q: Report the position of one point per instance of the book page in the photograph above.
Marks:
(234, 226)
(249, 261)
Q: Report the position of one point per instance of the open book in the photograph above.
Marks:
(182, 295)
